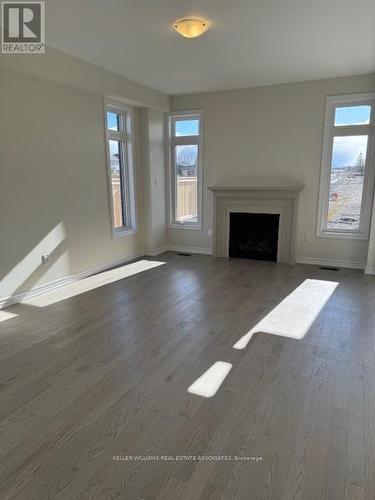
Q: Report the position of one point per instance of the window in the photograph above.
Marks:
(118, 123)
(185, 160)
(347, 175)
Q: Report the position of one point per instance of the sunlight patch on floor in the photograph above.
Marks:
(90, 283)
(209, 383)
(5, 315)
(294, 316)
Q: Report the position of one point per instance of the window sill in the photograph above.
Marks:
(192, 227)
(119, 233)
(341, 236)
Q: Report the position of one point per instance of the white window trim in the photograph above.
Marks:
(368, 187)
(172, 141)
(126, 136)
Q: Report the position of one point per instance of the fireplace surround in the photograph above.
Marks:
(279, 200)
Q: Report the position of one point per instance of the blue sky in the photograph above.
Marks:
(187, 127)
(346, 149)
(112, 121)
(352, 115)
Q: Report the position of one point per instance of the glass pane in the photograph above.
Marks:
(186, 164)
(346, 185)
(116, 182)
(186, 127)
(113, 120)
(352, 115)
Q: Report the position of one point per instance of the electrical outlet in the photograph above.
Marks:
(45, 259)
(307, 238)
(209, 232)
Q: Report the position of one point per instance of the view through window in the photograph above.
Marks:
(185, 143)
(117, 183)
(118, 123)
(347, 167)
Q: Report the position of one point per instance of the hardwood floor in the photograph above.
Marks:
(106, 373)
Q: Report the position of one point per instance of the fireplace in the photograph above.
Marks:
(280, 201)
(253, 235)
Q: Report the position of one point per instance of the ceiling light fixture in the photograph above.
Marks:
(190, 28)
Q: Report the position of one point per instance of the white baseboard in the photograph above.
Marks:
(152, 252)
(349, 264)
(52, 285)
(182, 248)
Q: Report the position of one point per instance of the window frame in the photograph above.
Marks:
(126, 138)
(177, 141)
(329, 132)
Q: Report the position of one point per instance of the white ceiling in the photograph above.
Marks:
(249, 43)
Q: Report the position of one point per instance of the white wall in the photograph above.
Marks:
(270, 135)
(53, 175)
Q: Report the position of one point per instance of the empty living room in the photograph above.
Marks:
(187, 250)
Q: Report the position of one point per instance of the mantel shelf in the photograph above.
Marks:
(294, 188)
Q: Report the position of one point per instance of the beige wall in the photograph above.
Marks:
(53, 177)
(53, 180)
(270, 135)
(154, 181)
(370, 264)
(64, 69)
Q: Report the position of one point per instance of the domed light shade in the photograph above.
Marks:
(190, 28)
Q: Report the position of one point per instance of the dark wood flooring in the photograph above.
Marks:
(106, 373)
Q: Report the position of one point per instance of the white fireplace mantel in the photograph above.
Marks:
(293, 189)
(282, 200)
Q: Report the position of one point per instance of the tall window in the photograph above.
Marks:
(120, 167)
(347, 176)
(185, 155)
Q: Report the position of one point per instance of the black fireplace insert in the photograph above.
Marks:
(253, 236)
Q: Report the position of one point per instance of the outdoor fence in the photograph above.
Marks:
(187, 206)
(116, 201)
